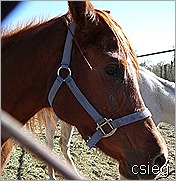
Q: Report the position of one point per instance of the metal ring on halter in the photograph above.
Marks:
(60, 68)
(100, 127)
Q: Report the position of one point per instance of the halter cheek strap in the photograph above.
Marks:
(95, 115)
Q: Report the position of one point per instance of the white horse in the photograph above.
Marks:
(158, 95)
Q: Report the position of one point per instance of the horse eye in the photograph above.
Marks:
(112, 70)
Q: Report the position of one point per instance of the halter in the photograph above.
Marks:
(96, 116)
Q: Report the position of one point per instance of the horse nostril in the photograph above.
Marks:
(160, 160)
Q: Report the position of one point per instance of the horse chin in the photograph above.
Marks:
(126, 171)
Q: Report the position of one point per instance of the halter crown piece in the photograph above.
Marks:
(96, 116)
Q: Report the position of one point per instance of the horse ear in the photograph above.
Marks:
(82, 13)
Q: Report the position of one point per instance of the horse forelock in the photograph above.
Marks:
(124, 44)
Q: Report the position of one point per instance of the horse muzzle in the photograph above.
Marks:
(143, 171)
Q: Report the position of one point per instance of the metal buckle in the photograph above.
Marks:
(100, 127)
(63, 68)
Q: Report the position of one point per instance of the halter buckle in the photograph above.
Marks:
(106, 122)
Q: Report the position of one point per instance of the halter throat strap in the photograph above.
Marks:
(95, 115)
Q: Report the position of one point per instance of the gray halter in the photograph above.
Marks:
(97, 117)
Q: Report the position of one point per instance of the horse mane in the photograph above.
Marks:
(22, 26)
(40, 118)
(124, 44)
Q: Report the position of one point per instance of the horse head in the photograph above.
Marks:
(96, 88)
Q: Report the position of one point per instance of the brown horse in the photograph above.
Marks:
(104, 67)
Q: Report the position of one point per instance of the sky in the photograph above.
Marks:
(150, 25)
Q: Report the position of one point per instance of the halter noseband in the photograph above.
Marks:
(97, 117)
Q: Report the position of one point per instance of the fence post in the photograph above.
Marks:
(165, 71)
(161, 71)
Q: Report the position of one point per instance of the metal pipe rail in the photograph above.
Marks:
(10, 127)
(166, 51)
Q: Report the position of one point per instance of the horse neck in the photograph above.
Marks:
(30, 59)
(166, 95)
(162, 92)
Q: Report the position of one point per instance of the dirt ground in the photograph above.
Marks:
(91, 162)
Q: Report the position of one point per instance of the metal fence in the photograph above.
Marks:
(166, 51)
